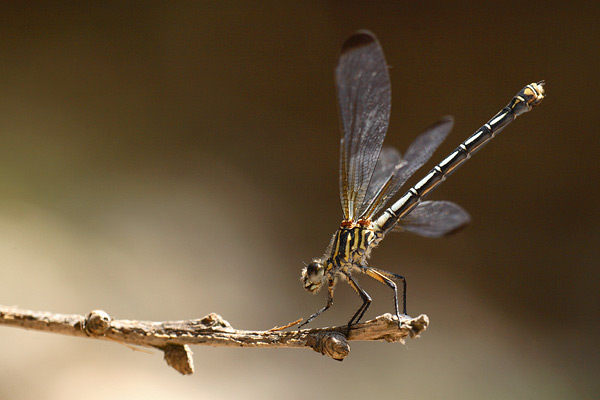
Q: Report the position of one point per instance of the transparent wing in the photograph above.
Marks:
(425, 144)
(364, 96)
(434, 219)
(381, 190)
(388, 164)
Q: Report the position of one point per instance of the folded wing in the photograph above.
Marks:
(434, 219)
(364, 96)
(391, 171)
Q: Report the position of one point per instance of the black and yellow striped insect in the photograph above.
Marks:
(371, 174)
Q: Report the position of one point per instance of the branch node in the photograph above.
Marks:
(330, 343)
(96, 323)
(214, 320)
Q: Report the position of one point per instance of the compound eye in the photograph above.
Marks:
(312, 268)
(314, 271)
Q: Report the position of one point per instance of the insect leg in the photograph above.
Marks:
(394, 277)
(365, 298)
(330, 286)
(386, 278)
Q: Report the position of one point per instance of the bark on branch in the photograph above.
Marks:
(174, 337)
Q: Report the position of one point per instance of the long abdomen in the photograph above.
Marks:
(530, 96)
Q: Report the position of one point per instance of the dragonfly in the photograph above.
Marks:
(370, 175)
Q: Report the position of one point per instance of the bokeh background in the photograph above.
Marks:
(165, 161)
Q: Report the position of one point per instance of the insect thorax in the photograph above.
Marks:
(351, 245)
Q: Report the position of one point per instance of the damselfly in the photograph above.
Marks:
(370, 175)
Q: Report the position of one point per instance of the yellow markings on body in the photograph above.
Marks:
(378, 276)
(336, 251)
(530, 92)
(347, 248)
(353, 286)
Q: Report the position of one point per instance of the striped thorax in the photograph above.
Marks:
(350, 248)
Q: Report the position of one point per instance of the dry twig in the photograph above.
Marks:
(174, 337)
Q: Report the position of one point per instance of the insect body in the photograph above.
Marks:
(371, 174)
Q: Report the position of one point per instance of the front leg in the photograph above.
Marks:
(330, 286)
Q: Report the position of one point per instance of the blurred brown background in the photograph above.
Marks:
(167, 161)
